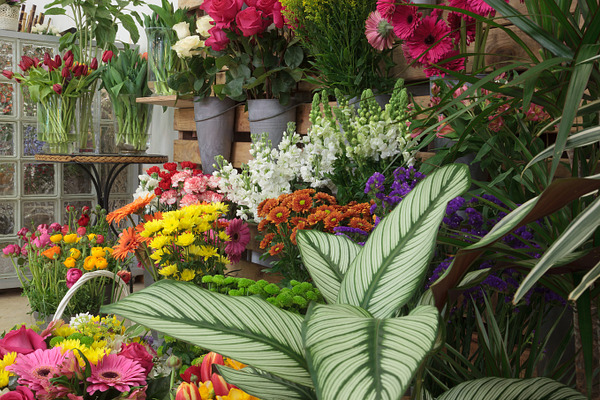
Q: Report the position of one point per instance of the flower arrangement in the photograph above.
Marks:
(56, 83)
(89, 358)
(12, 3)
(52, 258)
(332, 31)
(263, 57)
(125, 79)
(177, 185)
(284, 216)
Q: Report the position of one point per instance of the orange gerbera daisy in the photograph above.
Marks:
(266, 242)
(129, 242)
(54, 250)
(333, 220)
(266, 206)
(301, 202)
(131, 208)
(278, 215)
(324, 198)
(276, 249)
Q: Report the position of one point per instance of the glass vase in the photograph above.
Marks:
(55, 123)
(132, 124)
(84, 123)
(161, 59)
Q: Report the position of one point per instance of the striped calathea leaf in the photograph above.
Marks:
(355, 345)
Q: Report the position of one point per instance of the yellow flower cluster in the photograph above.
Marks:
(93, 352)
(98, 258)
(5, 361)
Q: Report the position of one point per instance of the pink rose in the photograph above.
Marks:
(21, 393)
(267, 6)
(224, 10)
(218, 40)
(137, 352)
(278, 16)
(22, 341)
(250, 21)
(73, 275)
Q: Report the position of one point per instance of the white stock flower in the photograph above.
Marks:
(182, 29)
(186, 46)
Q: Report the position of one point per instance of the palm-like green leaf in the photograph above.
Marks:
(354, 356)
(578, 231)
(587, 281)
(395, 258)
(247, 329)
(264, 385)
(511, 389)
(327, 258)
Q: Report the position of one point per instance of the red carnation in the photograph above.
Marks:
(153, 170)
(170, 166)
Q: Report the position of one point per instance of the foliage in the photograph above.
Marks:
(332, 32)
(52, 258)
(12, 3)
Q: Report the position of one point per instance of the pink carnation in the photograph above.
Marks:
(169, 197)
(188, 199)
(180, 176)
(195, 184)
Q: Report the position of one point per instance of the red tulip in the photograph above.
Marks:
(36, 62)
(66, 72)
(188, 391)
(84, 70)
(206, 366)
(68, 59)
(57, 88)
(47, 59)
(8, 74)
(107, 56)
(77, 70)
(57, 61)
(26, 63)
(94, 64)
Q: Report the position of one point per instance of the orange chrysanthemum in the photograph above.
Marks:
(262, 225)
(318, 215)
(333, 220)
(138, 204)
(266, 206)
(361, 224)
(129, 242)
(324, 198)
(301, 202)
(54, 250)
(276, 249)
(278, 215)
(296, 220)
(266, 242)
(328, 209)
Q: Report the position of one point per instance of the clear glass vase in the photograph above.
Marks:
(162, 61)
(84, 123)
(132, 125)
(56, 123)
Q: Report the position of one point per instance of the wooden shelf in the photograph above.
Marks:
(167, 101)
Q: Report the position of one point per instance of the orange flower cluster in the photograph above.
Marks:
(306, 209)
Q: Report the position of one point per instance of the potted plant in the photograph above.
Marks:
(9, 14)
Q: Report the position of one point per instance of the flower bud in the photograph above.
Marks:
(94, 64)
(174, 362)
(66, 72)
(8, 74)
(107, 56)
(188, 391)
(57, 88)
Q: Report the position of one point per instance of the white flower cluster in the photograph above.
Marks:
(145, 188)
(45, 29)
(189, 45)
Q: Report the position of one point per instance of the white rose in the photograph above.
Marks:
(182, 29)
(203, 24)
(184, 47)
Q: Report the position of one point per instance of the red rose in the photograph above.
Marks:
(250, 21)
(278, 16)
(224, 11)
(22, 341)
(84, 220)
(218, 40)
(21, 393)
(137, 352)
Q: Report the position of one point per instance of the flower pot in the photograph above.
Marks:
(132, 123)
(215, 120)
(9, 17)
(55, 127)
(88, 141)
(268, 115)
(161, 59)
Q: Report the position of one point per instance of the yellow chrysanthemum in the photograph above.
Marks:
(168, 270)
(170, 225)
(4, 375)
(98, 252)
(185, 239)
(69, 262)
(160, 241)
(99, 344)
(157, 255)
(187, 275)
(207, 252)
(101, 263)
(56, 238)
(95, 354)
(186, 222)
(224, 236)
(202, 226)
(64, 331)
(71, 238)
(151, 227)
(223, 260)
(75, 253)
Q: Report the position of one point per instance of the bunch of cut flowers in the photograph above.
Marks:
(52, 258)
(88, 358)
(284, 216)
(177, 185)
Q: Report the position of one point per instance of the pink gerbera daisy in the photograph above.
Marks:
(386, 7)
(455, 20)
(475, 6)
(405, 20)
(379, 32)
(114, 371)
(457, 64)
(36, 369)
(430, 41)
(239, 233)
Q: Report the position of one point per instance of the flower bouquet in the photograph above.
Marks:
(124, 79)
(51, 259)
(56, 84)
(88, 358)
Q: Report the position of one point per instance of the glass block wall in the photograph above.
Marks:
(32, 193)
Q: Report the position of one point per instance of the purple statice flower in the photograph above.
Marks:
(375, 183)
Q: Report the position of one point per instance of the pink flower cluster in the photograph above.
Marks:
(245, 17)
(429, 40)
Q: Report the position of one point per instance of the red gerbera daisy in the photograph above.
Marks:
(430, 41)
(457, 64)
(405, 20)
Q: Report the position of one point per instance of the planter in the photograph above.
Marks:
(55, 124)
(269, 116)
(132, 123)
(9, 17)
(215, 120)
(160, 60)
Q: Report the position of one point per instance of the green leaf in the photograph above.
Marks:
(264, 385)
(395, 258)
(511, 389)
(326, 258)
(578, 231)
(586, 282)
(247, 329)
(293, 56)
(55, 11)
(354, 356)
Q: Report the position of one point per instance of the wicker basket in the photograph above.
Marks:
(9, 17)
(122, 289)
